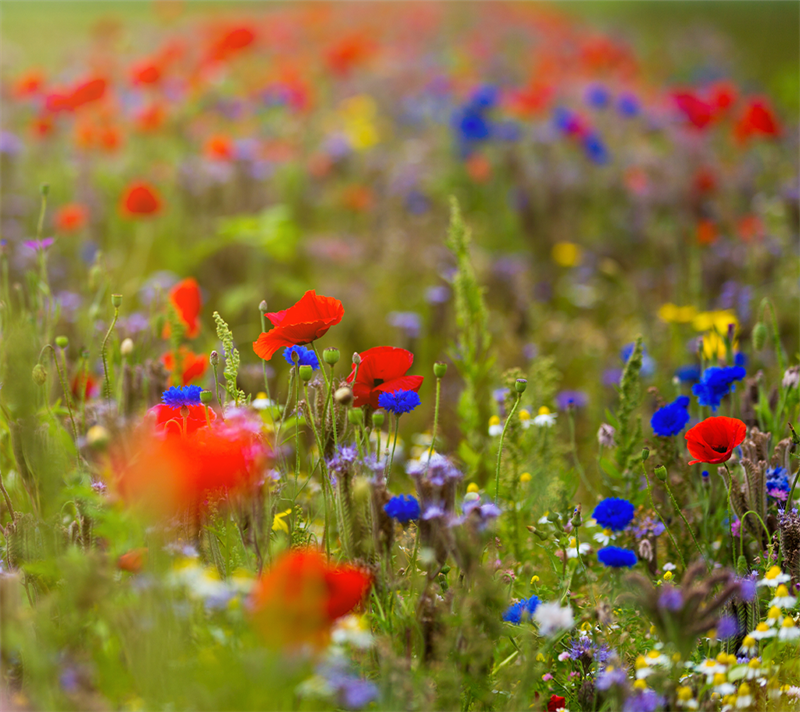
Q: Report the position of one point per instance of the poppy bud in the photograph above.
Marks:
(39, 374)
(576, 517)
(520, 385)
(213, 358)
(330, 356)
(439, 369)
(377, 418)
(355, 416)
(116, 301)
(661, 473)
(306, 372)
(62, 342)
(645, 453)
(343, 396)
(206, 397)
(45, 189)
(759, 336)
(262, 307)
(356, 359)
(126, 347)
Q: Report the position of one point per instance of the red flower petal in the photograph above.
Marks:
(712, 441)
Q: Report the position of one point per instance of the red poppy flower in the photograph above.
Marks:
(556, 703)
(31, 82)
(185, 297)
(382, 370)
(71, 217)
(192, 365)
(133, 560)
(712, 440)
(758, 119)
(150, 119)
(170, 420)
(87, 92)
(698, 112)
(84, 386)
(306, 321)
(219, 148)
(297, 600)
(347, 53)
(145, 72)
(140, 199)
(706, 232)
(232, 42)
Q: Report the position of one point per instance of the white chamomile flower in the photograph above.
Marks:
(495, 426)
(545, 418)
(774, 577)
(744, 699)
(525, 419)
(604, 537)
(788, 631)
(710, 667)
(763, 630)
(572, 552)
(261, 402)
(748, 646)
(783, 599)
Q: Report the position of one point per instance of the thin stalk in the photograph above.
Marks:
(103, 353)
(660, 516)
(394, 445)
(500, 449)
(680, 511)
(435, 418)
(323, 468)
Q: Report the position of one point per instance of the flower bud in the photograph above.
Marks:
(520, 385)
(306, 372)
(213, 358)
(97, 437)
(577, 520)
(356, 359)
(262, 307)
(126, 347)
(330, 356)
(355, 416)
(206, 397)
(62, 342)
(45, 189)
(661, 473)
(645, 454)
(39, 374)
(439, 369)
(759, 336)
(116, 301)
(377, 418)
(343, 396)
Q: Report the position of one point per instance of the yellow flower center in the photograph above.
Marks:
(524, 415)
(782, 591)
(773, 573)
(762, 627)
(473, 488)
(787, 622)
(494, 420)
(774, 613)
(748, 642)
(544, 410)
(525, 477)
(719, 679)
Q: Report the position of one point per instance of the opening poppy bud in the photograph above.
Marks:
(262, 307)
(306, 372)
(330, 356)
(377, 418)
(356, 359)
(185, 411)
(39, 374)
(661, 473)
(213, 358)
(355, 416)
(206, 397)
(759, 336)
(126, 347)
(439, 369)
(116, 301)
(62, 342)
(520, 385)
(343, 396)
(645, 453)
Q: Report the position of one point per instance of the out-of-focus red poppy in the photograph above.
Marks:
(42, 126)
(57, 101)
(534, 99)
(357, 198)
(168, 475)
(555, 703)
(71, 217)
(145, 72)
(713, 439)
(132, 561)
(87, 92)
(306, 321)
(758, 119)
(219, 148)
(698, 112)
(187, 301)
(177, 421)
(110, 138)
(704, 181)
(84, 386)
(140, 199)
(192, 365)
(29, 83)
(723, 95)
(347, 53)
(750, 227)
(151, 118)
(232, 42)
(295, 603)
(706, 232)
(383, 370)
(478, 168)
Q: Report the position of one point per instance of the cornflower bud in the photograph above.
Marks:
(213, 358)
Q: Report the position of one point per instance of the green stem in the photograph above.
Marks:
(394, 445)
(323, 468)
(435, 418)
(680, 512)
(660, 516)
(103, 353)
(500, 449)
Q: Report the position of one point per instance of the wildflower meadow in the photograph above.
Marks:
(399, 356)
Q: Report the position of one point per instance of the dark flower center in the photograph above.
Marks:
(719, 448)
(377, 382)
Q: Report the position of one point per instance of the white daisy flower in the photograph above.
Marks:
(710, 667)
(261, 402)
(788, 631)
(744, 699)
(774, 577)
(604, 537)
(762, 631)
(783, 599)
(545, 418)
(748, 646)
(572, 552)
(495, 426)
(525, 419)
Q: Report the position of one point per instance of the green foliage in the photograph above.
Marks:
(231, 371)
(629, 434)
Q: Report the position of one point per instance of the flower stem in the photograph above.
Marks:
(660, 516)
(435, 418)
(104, 354)
(500, 449)
(394, 445)
(680, 511)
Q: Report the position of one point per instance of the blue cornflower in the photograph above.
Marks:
(777, 482)
(740, 359)
(616, 558)
(522, 609)
(177, 396)
(688, 374)
(485, 97)
(597, 96)
(716, 383)
(672, 418)
(471, 124)
(628, 105)
(613, 513)
(399, 402)
(305, 356)
(571, 399)
(404, 508)
(596, 150)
